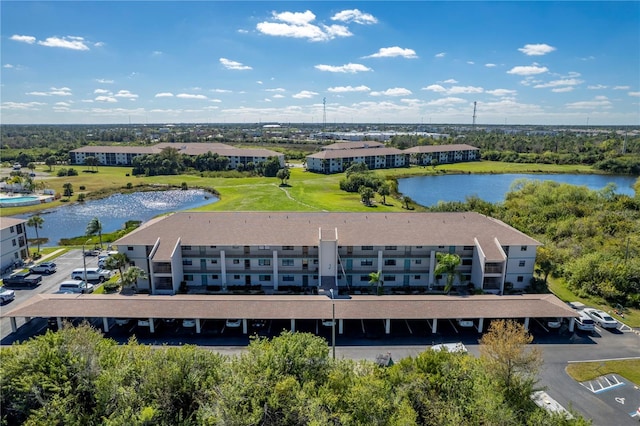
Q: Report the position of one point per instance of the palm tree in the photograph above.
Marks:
(36, 222)
(447, 264)
(383, 191)
(129, 278)
(116, 261)
(68, 189)
(375, 278)
(407, 201)
(95, 227)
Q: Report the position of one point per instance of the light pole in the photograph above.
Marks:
(84, 260)
(333, 324)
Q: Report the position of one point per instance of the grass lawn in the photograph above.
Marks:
(582, 371)
(631, 316)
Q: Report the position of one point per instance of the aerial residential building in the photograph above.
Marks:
(13, 241)
(424, 155)
(116, 155)
(326, 250)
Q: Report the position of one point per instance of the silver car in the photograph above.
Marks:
(601, 318)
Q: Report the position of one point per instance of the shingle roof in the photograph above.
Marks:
(441, 148)
(291, 307)
(358, 152)
(300, 229)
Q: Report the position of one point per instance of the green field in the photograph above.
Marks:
(306, 191)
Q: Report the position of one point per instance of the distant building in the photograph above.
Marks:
(443, 154)
(115, 155)
(13, 241)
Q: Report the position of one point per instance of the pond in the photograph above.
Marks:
(428, 190)
(113, 211)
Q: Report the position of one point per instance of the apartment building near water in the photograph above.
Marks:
(326, 250)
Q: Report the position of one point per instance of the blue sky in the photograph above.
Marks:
(557, 63)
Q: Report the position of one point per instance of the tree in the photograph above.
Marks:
(545, 262)
(94, 227)
(130, 277)
(375, 278)
(91, 162)
(383, 191)
(68, 189)
(36, 222)
(503, 350)
(283, 175)
(50, 162)
(447, 264)
(366, 194)
(116, 261)
(407, 201)
(31, 166)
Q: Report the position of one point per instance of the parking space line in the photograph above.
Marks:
(597, 386)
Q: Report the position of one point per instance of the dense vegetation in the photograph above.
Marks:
(76, 377)
(591, 238)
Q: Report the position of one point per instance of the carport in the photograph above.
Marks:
(284, 307)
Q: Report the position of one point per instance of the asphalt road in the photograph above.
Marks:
(367, 340)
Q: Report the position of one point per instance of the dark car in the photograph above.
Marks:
(22, 279)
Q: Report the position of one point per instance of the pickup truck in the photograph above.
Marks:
(22, 279)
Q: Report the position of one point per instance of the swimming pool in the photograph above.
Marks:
(25, 200)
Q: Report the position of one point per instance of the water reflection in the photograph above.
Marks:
(114, 211)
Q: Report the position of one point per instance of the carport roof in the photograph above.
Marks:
(291, 307)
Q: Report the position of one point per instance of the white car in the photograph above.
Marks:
(554, 322)
(601, 318)
(6, 295)
(188, 322)
(233, 323)
(44, 268)
(467, 323)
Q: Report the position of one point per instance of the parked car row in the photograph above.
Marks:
(591, 317)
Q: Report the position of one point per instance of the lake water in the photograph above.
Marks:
(428, 190)
(113, 211)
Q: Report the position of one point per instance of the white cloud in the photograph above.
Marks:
(536, 49)
(528, 70)
(392, 52)
(37, 94)
(345, 89)
(126, 94)
(23, 38)
(190, 96)
(305, 94)
(348, 68)
(446, 101)
(157, 53)
(471, 63)
(68, 42)
(233, 65)
(259, 82)
(299, 25)
(99, 44)
(104, 81)
(563, 89)
(53, 91)
(277, 89)
(435, 88)
(556, 83)
(634, 94)
(221, 91)
(597, 87)
(450, 81)
(354, 15)
(7, 66)
(597, 102)
(621, 87)
(501, 92)
(440, 55)
(63, 104)
(101, 91)
(108, 99)
(21, 105)
(396, 91)
(277, 96)
(490, 65)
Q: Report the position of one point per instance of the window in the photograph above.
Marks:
(236, 261)
(365, 278)
(14, 242)
(366, 248)
(523, 248)
(215, 277)
(418, 261)
(263, 247)
(521, 263)
(236, 277)
(367, 262)
(188, 278)
(389, 278)
(418, 247)
(186, 248)
(187, 262)
(391, 247)
(212, 246)
(214, 261)
(416, 277)
(390, 262)
(466, 262)
(467, 248)
(287, 262)
(287, 278)
(520, 278)
(11, 229)
(264, 262)
(264, 277)
(129, 248)
(287, 247)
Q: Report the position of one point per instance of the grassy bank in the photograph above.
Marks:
(583, 371)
